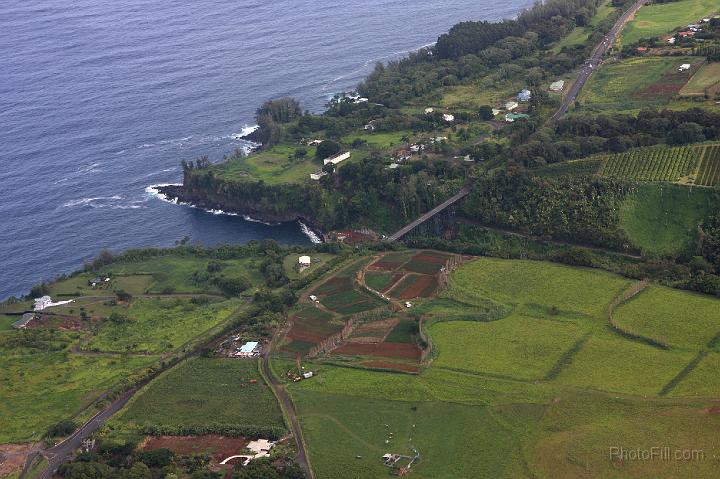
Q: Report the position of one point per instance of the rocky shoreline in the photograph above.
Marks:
(180, 195)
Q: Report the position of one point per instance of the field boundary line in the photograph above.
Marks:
(674, 382)
(623, 298)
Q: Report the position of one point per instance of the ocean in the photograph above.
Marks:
(99, 101)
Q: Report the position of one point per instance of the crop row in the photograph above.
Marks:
(709, 174)
(652, 164)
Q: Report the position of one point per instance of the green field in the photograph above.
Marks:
(580, 35)
(655, 20)
(174, 274)
(636, 83)
(64, 382)
(160, 324)
(202, 392)
(663, 219)
(272, 166)
(656, 313)
(548, 383)
(706, 81)
(708, 173)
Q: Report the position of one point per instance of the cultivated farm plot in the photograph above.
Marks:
(636, 83)
(407, 275)
(202, 392)
(310, 326)
(709, 170)
(653, 164)
(705, 82)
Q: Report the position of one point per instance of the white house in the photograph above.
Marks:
(339, 158)
(684, 67)
(448, 118)
(42, 303)
(511, 105)
(317, 175)
(304, 261)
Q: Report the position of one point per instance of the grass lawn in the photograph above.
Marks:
(663, 219)
(636, 83)
(272, 166)
(39, 390)
(7, 321)
(611, 363)
(517, 346)
(206, 391)
(161, 324)
(682, 319)
(706, 81)
(473, 96)
(381, 140)
(655, 20)
(537, 286)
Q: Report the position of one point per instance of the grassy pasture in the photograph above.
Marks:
(205, 391)
(272, 166)
(619, 365)
(682, 319)
(706, 81)
(517, 346)
(339, 428)
(160, 324)
(663, 219)
(636, 83)
(655, 20)
(536, 287)
(381, 140)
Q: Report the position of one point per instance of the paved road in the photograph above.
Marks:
(289, 408)
(596, 59)
(442, 206)
(64, 451)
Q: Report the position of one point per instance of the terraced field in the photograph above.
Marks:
(653, 164)
(709, 171)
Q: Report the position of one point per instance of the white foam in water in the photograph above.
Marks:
(154, 191)
(309, 233)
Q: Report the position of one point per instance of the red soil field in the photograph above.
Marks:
(423, 287)
(396, 366)
(219, 447)
(306, 336)
(384, 350)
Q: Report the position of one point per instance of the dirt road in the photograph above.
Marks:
(289, 408)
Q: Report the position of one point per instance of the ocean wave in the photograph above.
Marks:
(118, 202)
(154, 191)
(314, 238)
(82, 171)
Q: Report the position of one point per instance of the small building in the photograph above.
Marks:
(369, 127)
(686, 33)
(317, 175)
(684, 67)
(671, 40)
(408, 304)
(23, 323)
(313, 298)
(361, 100)
(512, 117)
(336, 159)
(307, 375)
(524, 95)
(557, 86)
(429, 110)
(439, 139)
(42, 303)
(511, 105)
(314, 142)
(393, 166)
(448, 118)
(251, 349)
(304, 261)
